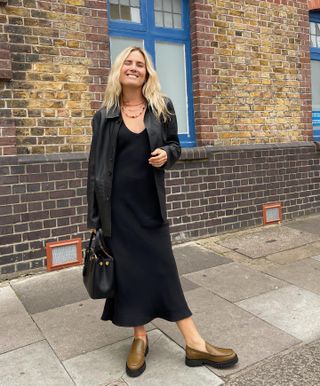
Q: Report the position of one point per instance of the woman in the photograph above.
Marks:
(134, 140)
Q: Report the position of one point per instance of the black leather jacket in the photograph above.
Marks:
(105, 127)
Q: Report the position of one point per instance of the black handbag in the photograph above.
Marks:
(98, 268)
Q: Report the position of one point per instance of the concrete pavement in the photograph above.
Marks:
(257, 291)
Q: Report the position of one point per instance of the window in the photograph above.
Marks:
(315, 71)
(162, 28)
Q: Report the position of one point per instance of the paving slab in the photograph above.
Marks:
(304, 274)
(265, 241)
(118, 382)
(298, 367)
(234, 281)
(77, 328)
(226, 325)
(256, 264)
(296, 254)
(294, 310)
(33, 365)
(310, 224)
(194, 257)
(51, 289)
(165, 366)
(212, 243)
(16, 326)
(187, 285)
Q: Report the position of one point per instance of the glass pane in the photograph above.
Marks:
(173, 82)
(168, 20)
(313, 41)
(158, 5)
(177, 21)
(135, 3)
(117, 44)
(114, 1)
(114, 12)
(313, 28)
(135, 15)
(125, 12)
(318, 41)
(176, 6)
(167, 5)
(158, 19)
(124, 2)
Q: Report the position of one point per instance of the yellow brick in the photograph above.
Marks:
(65, 131)
(76, 86)
(38, 149)
(42, 103)
(20, 11)
(46, 67)
(52, 149)
(77, 139)
(59, 42)
(50, 131)
(77, 131)
(73, 44)
(48, 85)
(74, 2)
(79, 148)
(66, 149)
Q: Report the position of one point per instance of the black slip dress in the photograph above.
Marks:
(147, 281)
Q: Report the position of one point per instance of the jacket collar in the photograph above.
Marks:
(112, 113)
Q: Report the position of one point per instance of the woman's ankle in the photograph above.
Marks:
(197, 344)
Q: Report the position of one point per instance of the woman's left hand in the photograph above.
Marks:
(159, 158)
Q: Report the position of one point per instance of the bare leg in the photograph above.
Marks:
(191, 335)
(140, 332)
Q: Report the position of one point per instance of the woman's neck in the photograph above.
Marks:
(132, 96)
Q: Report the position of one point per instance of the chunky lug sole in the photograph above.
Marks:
(140, 370)
(219, 365)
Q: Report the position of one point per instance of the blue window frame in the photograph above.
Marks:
(173, 36)
(315, 71)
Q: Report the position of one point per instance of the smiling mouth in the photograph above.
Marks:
(133, 76)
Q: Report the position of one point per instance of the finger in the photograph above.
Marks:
(156, 161)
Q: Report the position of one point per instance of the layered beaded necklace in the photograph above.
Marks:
(133, 113)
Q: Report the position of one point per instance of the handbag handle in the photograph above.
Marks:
(100, 244)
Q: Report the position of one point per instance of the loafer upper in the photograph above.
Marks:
(214, 354)
(137, 353)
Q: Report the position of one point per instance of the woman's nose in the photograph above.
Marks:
(133, 67)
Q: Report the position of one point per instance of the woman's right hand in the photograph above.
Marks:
(93, 230)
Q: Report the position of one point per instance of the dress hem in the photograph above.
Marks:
(146, 321)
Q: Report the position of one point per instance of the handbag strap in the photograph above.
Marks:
(90, 242)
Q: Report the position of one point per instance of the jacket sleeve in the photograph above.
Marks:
(93, 218)
(172, 144)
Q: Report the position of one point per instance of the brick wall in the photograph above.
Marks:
(211, 190)
(60, 60)
(251, 71)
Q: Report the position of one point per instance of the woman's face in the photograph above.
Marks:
(133, 72)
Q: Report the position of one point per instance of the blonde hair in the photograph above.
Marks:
(150, 90)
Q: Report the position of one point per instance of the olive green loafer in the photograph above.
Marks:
(215, 357)
(136, 359)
